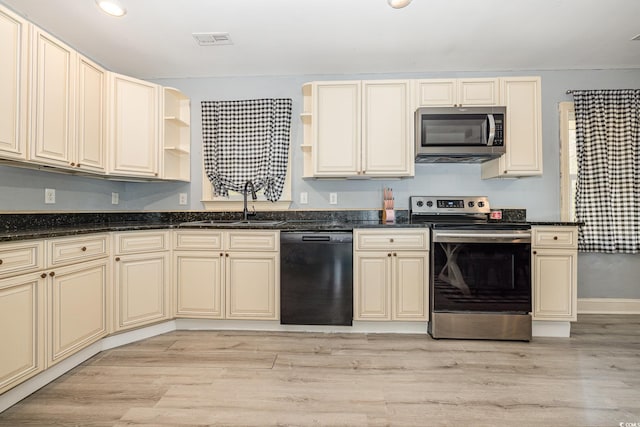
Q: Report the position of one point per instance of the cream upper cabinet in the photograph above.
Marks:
(523, 130)
(133, 127)
(358, 129)
(52, 120)
(14, 50)
(387, 131)
(91, 144)
(457, 92)
(554, 270)
(391, 275)
(141, 278)
(336, 128)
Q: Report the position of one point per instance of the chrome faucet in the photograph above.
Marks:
(245, 211)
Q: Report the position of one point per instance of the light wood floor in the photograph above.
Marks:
(256, 379)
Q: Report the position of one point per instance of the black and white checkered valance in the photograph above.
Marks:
(244, 141)
(608, 189)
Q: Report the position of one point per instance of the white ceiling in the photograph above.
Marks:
(293, 37)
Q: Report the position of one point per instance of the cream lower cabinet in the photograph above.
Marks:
(231, 274)
(391, 275)
(199, 278)
(554, 270)
(78, 300)
(142, 278)
(22, 329)
(22, 312)
(78, 294)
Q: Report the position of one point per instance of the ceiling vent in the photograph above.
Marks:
(637, 38)
(212, 39)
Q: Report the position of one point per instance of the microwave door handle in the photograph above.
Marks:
(492, 129)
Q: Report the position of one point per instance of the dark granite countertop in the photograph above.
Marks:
(15, 227)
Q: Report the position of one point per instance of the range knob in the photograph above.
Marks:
(481, 204)
(420, 203)
(429, 203)
(471, 204)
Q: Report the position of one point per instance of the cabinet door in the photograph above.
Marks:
(478, 92)
(199, 284)
(387, 136)
(372, 286)
(523, 130)
(142, 289)
(252, 285)
(13, 85)
(554, 284)
(133, 127)
(437, 92)
(91, 128)
(410, 292)
(52, 120)
(21, 329)
(336, 127)
(78, 297)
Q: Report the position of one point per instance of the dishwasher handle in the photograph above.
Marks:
(316, 238)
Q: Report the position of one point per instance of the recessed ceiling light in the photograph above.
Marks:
(112, 7)
(398, 4)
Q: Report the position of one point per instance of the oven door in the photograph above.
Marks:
(481, 271)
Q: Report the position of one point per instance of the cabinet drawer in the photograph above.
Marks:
(146, 241)
(198, 240)
(17, 258)
(76, 249)
(253, 240)
(391, 240)
(555, 237)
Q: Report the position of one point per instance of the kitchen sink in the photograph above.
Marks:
(233, 223)
(261, 222)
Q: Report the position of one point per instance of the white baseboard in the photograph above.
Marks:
(608, 306)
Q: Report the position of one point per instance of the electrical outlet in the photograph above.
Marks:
(115, 198)
(333, 198)
(183, 198)
(304, 198)
(49, 195)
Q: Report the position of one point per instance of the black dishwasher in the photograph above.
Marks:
(316, 278)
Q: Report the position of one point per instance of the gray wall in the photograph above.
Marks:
(599, 275)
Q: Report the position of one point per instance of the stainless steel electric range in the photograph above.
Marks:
(480, 270)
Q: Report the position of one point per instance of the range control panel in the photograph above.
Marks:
(445, 205)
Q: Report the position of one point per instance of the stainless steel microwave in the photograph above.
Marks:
(459, 134)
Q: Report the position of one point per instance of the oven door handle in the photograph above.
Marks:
(453, 237)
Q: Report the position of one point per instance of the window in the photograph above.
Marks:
(568, 161)
(234, 201)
